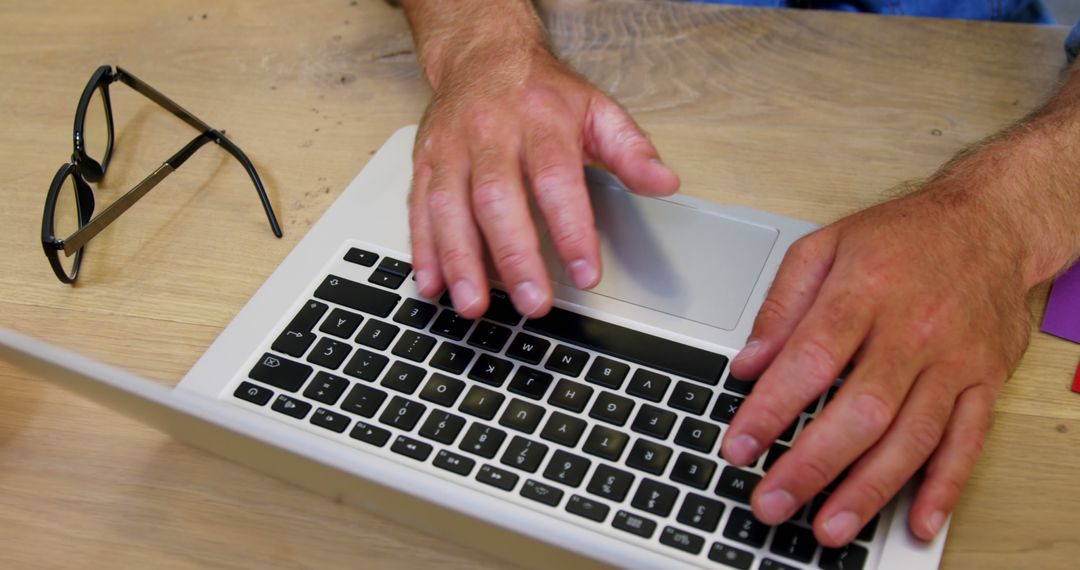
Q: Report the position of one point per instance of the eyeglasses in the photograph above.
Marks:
(69, 205)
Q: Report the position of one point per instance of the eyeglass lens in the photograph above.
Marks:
(66, 220)
(96, 127)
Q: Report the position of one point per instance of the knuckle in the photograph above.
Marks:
(772, 311)
(872, 412)
(550, 177)
(455, 258)
(817, 359)
(570, 236)
(441, 202)
(510, 258)
(876, 492)
(489, 196)
(815, 473)
(923, 434)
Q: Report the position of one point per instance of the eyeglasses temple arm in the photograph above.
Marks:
(224, 142)
(160, 98)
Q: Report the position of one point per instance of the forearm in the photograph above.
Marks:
(1027, 182)
(484, 34)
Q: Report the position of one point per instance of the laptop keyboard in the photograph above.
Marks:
(601, 425)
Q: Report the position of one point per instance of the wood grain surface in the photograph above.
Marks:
(811, 115)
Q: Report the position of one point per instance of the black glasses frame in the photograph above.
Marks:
(84, 168)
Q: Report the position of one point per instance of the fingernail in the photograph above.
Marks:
(748, 351)
(464, 295)
(582, 273)
(843, 526)
(742, 450)
(528, 298)
(423, 280)
(776, 506)
(936, 521)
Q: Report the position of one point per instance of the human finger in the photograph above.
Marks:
(457, 240)
(615, 139)
(823, 342)
(797, 283)
(951, 465)
(876, 478)
(425, 257)
(554, 162)
(502, 211)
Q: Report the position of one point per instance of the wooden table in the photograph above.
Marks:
(811, 115)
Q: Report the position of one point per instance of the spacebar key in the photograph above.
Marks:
(637, 347)
(357, 296)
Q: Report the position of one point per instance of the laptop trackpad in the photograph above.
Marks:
(680, 260)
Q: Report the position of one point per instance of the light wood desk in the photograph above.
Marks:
(810, 115)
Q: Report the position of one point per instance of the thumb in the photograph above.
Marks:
(615, 139)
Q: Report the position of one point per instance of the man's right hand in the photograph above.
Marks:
(506, 118)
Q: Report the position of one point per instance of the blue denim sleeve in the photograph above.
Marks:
(1072, 43)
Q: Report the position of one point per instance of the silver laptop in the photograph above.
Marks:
(589, 436)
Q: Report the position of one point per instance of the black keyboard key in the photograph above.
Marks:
(412, 448)
(290, 406)
(481, 402)
(361, 257)
(690, 398)
(377, 334)
(496, 477)
(850, 557)
(489, 336)
(689, 469)
(522, 416)
(524, 454)
(366, 365)
(731, 556)
(655, 497)
(370, 434)
(329, 353)
(700, 512)
(697, 435)
(442, 427)
(653, 421)
(610, 483)
(293, 342)
(605, 442)
(330, 420)
(357, 296)
(628, 344)
(634, 524)
(528, 348)
(743, 387)
(363, 400)
(482, 440)
(451, 325)
(567, 468)
(682, 540)
(775, 451)
(794, 542)
(737, 484)
(530, 383)
(403, 377)
(442, 390)
(770, 564)
(307, 316)
(490, 370)
(326, 388)
(414, 313)
(541, 493)
(648, 384)
(587, 508)
(725, 408)
(567, 360)
(868, 531)
(789, 433)
(570, 395)
(414, 346)
(607, 372)
(453, 462)
(280, 372)
(386, 279)
(341, 323)
(395, 266)
(402, 413)
(648, 456)
(452, 358)
(743, 527)
(612, 408)
(501, 309)
(563, 429)
(252, 393)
